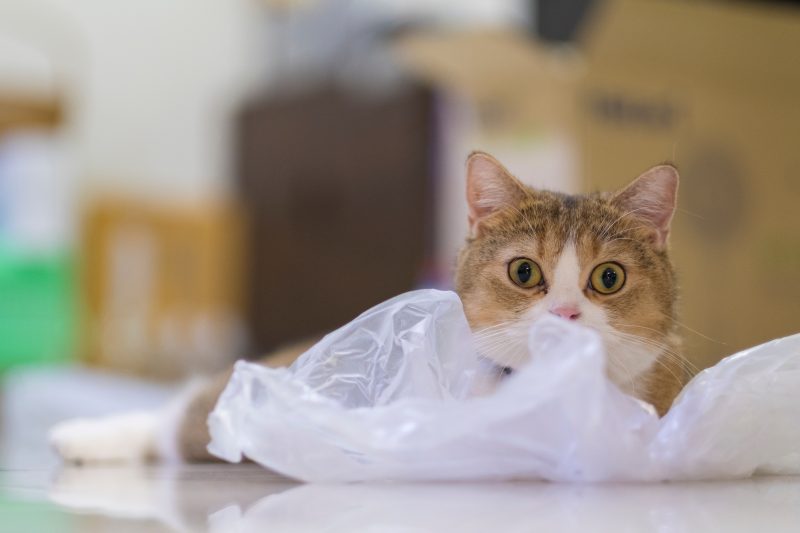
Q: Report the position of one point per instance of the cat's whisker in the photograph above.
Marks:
(664, 349)
(504, 345)
(492, 337)
(681, 324)
(501, 324)
(500, 337)
(653, 342)
(688, 365)
(495, 327)
(689, 368)
(489, 335)
(493, 343)
(658, 361)
(670, 356)
(668, 369)
(638, 326)
(491, 331)
(492, 347)
(617, 362)
(643, 339)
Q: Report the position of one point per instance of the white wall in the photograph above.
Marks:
(150, 84)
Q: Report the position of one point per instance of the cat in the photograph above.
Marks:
(598, 259)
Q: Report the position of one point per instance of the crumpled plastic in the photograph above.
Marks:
(390, 396)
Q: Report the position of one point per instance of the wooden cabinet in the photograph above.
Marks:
(338, 192)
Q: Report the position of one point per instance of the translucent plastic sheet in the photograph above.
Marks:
(389, 396)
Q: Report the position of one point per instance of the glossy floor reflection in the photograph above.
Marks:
(245, 498)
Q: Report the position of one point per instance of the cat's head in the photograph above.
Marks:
(598, 259)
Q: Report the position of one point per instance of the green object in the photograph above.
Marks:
(31, 515)
(38, 318)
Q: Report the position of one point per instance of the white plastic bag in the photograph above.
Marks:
(388, 396)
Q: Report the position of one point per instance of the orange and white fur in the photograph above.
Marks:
(598, 259)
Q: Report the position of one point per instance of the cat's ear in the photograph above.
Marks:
(652, 198)
(490, 188)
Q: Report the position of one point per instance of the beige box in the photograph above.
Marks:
(162, 287)
(26, 112)
(715, 88)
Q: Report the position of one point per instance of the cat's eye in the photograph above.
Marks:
(525, 273)
(607, 278)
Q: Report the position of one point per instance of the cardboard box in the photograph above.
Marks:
(162, 287)
(715, 88)
(23, 112)
(712, 87)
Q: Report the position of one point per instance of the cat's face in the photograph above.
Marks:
(599, 260)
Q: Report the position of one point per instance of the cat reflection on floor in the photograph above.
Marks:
(245, 498)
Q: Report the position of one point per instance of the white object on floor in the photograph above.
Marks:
(387, 397)
(129, 437)
(35, 399)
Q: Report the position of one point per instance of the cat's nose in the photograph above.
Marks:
(570, 312)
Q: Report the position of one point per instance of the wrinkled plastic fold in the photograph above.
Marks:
(390, 396)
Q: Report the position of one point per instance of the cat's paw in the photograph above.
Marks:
(121, 438)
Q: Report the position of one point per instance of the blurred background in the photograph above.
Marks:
(188, 182)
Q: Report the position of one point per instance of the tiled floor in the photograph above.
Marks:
(245, 498)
